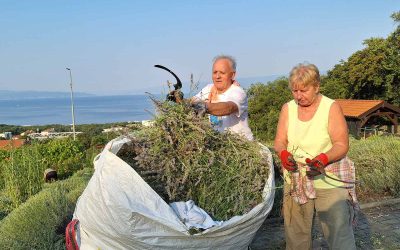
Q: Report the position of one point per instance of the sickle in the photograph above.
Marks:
(178, 84)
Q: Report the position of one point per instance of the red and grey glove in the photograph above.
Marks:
(287, 161)
(317, 165)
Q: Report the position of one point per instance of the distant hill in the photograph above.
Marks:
(245, 82)
(32, 94)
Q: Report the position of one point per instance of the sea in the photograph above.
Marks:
(87, 110)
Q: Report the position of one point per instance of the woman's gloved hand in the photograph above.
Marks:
(288, 161)
(317, 165)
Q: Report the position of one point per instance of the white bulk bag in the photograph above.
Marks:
(119, 210)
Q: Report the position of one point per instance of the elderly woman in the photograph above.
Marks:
(312, 141)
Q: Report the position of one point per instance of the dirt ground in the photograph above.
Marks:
(378, 227)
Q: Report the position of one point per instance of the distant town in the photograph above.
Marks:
(9, 141)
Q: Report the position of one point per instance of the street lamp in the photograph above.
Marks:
(72, 104)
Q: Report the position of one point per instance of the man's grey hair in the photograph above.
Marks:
(226, 57)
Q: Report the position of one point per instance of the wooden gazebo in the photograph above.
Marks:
(359, 112)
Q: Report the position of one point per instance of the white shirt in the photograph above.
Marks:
(236, 122)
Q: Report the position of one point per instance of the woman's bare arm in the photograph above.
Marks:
(338, 132)
(281, 140)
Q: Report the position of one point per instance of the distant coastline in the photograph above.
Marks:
(33, 94)
(5, 95)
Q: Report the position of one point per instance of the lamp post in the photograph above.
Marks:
(72, 104)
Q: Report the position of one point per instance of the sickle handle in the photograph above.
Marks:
(178, 84)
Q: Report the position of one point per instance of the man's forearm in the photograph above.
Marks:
(221, 108)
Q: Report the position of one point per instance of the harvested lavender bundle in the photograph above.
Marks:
(183, 158)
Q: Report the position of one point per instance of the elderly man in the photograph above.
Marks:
(225, 100)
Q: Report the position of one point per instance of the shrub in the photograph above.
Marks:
(64, 155)
(22, 175)
(377, 162)
(40, 222)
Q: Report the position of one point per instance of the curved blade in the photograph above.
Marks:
(178, 84)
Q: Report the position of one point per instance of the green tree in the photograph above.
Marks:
(392, 63)
(265, 102)
(370, 73)
(335, 85)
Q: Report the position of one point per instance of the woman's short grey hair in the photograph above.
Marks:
(226, 57)
(304, 74)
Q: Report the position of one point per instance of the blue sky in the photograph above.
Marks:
(111, 46)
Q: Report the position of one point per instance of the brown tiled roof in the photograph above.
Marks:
(10, 144)
(356, 108)
(359, 108)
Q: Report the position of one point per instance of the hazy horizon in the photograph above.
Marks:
(245, 83)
